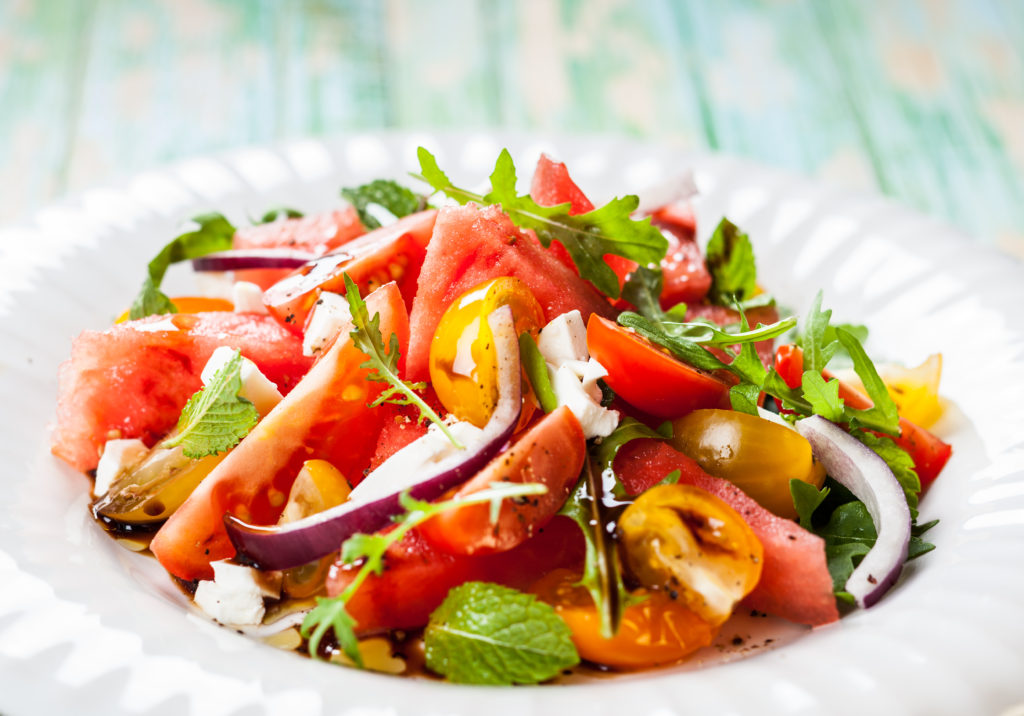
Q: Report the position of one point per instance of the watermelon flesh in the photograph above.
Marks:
(473, 244)
(316, 233)
(133, 379)
(795, 582)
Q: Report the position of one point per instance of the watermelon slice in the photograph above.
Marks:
(132, 380)
(795, 582)
(473, 244)
(316, 233)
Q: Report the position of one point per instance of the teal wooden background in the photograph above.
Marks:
(920, 99)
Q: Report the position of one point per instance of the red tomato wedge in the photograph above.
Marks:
(551, 453)
(795, 583)
(648, 378)
(316, 233)
(132, 379)
(324, 417)
(929, 453)
(390, 253)
(472, 245)
(417, 575)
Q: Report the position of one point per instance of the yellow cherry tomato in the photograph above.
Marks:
(692, 545)
(757, 455)
(656, 631)
(463, 366)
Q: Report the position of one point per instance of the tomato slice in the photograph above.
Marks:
(550, 453)
(647, 377)
(391, 253)
(656, 631)
(417, 575)
(929, 453)
(324, 416)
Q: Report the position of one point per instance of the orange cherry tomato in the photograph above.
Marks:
(694, 546)
(658, 630)
(757, 455)
(191, 304)
(645, 376)
(551, 453)
(463, 362)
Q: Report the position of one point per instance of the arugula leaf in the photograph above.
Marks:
(743, 398)
(819, 344)
(898, 460)
(385, 193)
(215, 418)
(823, 397)
(330, 613)
(730, 261)
(587, 237)
(643, 291)
(214, 234)
(536, 369)
(383, 362)
(489, 634)
(279, 213)
(806, 498)
(883, 415)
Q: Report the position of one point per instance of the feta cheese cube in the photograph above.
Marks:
(597, 421)
(118, 457)
(564, 338)
(256, 387)
(330, 316)
(247, 297)
(235, 596)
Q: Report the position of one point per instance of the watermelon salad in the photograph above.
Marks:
(493, 436)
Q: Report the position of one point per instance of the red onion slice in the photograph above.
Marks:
(301, 542)
(236, 259)
(866, 475)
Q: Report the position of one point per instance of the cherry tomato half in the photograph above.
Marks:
(656, 631)
(551, 453)
(757, 455)
(191, 304)
(647, 377)
(694, 546)
(463, 362)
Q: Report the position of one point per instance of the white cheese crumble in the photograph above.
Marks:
(118, 457)
(331, 315)
(574, 374)
(247, 297)
(256, 387)
(235, 596)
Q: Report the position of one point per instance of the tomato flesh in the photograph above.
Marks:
(550, 453)
(324, 416)
(648, 378)
(391, 253)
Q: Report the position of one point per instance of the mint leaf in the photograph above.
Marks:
(587, 237)
(536, 369)
(806, 499)
(383, 362)
(215, 418)
(385, 193)
(489, 634)
(214, 234)
(643, 291)
(279, 213)
(730, 261)
(823, 397)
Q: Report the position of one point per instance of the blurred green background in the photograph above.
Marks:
(922, 100)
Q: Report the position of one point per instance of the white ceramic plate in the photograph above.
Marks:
(87, 627)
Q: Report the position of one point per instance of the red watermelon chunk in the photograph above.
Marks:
(795, 583)
(473, 244)
(316, 233)
(133, 379)
(723, 316)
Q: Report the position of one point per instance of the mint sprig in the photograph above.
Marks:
(489, 634)
(330, 613)
(587, 237)
(391, 196)
(383, 362)
(214, 234)
(215, 418)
